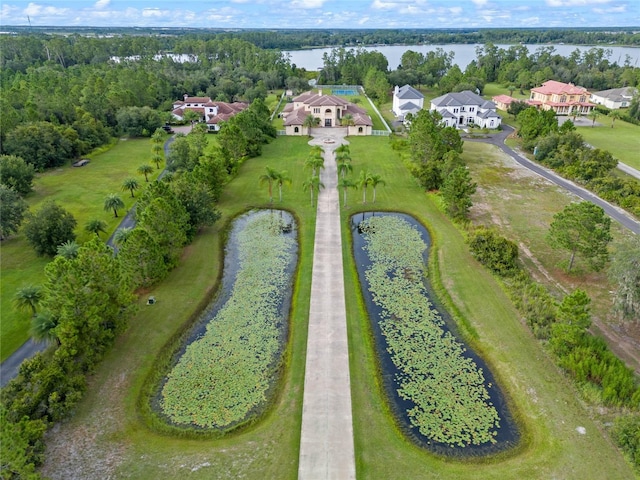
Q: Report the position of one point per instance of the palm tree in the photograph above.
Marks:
(157, 159)
(121, 236)
(344, 148)
(593, 114)
(145, 169)
(68, 249)
(376, 180)
(615, 115)
(130, 184)
(312, 184)
(282, 178)
(363, 182)
(347, 120)
(43, 328)
(27, 299)
(310, 121)
(345, 184)
(268, 178)
(96, 226)
(113, 202)
(158, 137)
(315, 162)
(344, 166)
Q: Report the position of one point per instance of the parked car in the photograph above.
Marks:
(167, 128)
(81, 163)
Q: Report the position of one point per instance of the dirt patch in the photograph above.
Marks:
(80, 451)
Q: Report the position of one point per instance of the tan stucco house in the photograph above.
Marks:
(330, 110)
(562, 98)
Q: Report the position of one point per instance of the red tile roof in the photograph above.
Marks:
(551, 87)
(506, 99)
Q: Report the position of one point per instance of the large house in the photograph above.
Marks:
(464, 108)
(329, 110)
(210, 112)
(615, 98)
(406, 100)
(562, 98)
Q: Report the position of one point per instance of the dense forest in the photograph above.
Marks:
(288, 39)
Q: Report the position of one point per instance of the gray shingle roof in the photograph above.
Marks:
(617, 94)
(458, 99)
(408, 92)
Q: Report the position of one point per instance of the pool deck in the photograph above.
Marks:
(326, 443)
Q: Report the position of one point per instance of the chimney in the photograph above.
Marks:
(186, 95)
(396, 90)
(320, 92)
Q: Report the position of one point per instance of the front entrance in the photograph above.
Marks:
(327, 122)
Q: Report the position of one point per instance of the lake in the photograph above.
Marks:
(311, 59)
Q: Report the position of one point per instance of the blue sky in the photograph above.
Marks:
(323, 13)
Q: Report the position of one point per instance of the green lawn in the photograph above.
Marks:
(544, 400)
(110, 439)
(81, 191)
(623, 140)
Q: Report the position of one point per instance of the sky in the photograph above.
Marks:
(322, 13)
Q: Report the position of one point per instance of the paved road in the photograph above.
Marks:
(613, 211)
(11, 365)
(9, 368)
(326, 443)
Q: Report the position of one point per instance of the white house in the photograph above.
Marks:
(614, 98)
(464, 108)
(330, 111)
(210, 112)
(406, 100)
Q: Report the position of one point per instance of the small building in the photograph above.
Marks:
(615, 98)
(330, 110)
(503, 101)
(562, 98)
(210, 112)
(406, 100)
(460, 109)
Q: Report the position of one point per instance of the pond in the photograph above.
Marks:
(443, 395)
(226, 371)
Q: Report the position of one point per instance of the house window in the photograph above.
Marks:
(359, 129)
(188, 104)
(296, 130)
(316, 110)
(583, 98)
(462, 109)
(455, 110)
(471, 109)
(563, 98)
(491, 124)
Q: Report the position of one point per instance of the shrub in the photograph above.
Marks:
(626, 433)
(495, 252)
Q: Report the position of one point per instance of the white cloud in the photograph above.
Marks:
(100, 4)
(363, 20)
(155, 12)
(34, 10)
(307, 3)
(526, 22)
(575, 3)
(479, 3)
(605, 11)
(456, 10)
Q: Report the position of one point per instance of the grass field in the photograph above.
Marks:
(81, 191)
(623, 140)
(108, 439)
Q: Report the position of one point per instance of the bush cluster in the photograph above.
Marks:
(564, 327)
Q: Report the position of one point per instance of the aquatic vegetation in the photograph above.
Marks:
(225, 375)
(451, 403)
